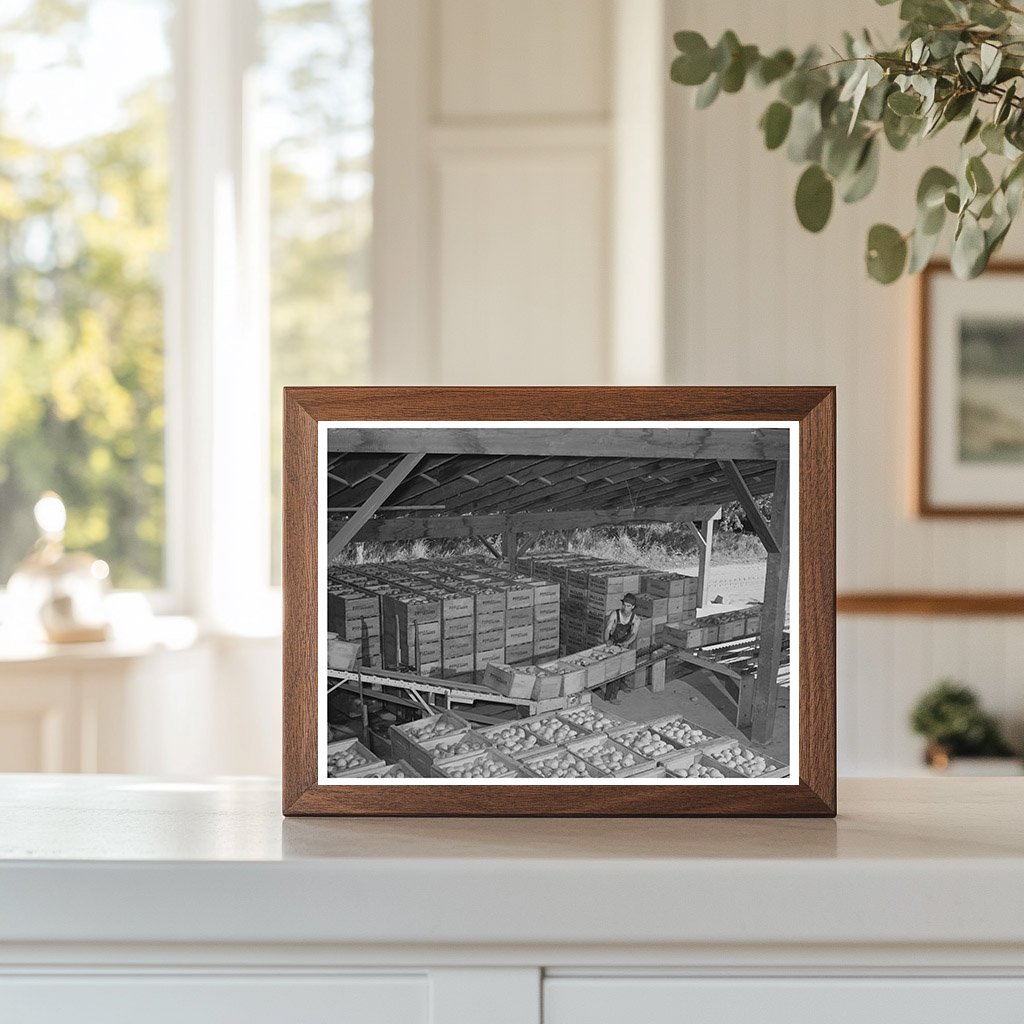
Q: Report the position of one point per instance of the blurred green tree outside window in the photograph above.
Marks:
(317, 120)
(83, 236)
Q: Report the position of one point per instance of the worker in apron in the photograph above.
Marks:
(620, 628)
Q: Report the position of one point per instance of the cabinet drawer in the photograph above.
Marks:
(574, 1000)
(202, 999)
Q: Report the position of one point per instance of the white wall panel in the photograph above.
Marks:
(754, 299)
(521, 292)
(530, 58)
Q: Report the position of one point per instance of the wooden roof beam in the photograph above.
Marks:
(408, 528)
(737, 442)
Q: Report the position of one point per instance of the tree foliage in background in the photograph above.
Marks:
(957, 62)
(318, 59)
(81, 332)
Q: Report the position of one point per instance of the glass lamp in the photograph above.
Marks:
(54, 594)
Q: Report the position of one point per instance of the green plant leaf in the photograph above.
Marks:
(931, 191)
(968, 255)
(952, 202)
(993, 138)
(735, 74)
(707, 93)
(794, 89)
(775, 124)
(922, 247)
(805, 133)
(771, 69)
(978, 176)
(973, 129)
(987, 15)
(693, 65)
(814, 194)
(725, 49)
(886, 253)
(865, 173)
(903, 103)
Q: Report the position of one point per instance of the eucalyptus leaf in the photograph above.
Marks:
(922, 247)
(991, 60)
(993, 138)
(707, 93)
(794, 88)
(973, 130)
(968, 247)
(904, 103)
(865, 173)
(805, 133)
(814, 195)
(931, 190)
(978, 176)
(886, 253)
(771, 69)
(775, 124)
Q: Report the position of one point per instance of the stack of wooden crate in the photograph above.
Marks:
(447, 618)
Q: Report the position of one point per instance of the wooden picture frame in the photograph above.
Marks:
(806, 416)
(935, 413)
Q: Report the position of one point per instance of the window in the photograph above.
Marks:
(199, 164)
(83, 235)
(317, 117)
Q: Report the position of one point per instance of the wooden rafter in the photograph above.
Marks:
(348, 530)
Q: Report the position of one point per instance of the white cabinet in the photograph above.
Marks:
(132, 898)
(205, 999)
(824, 1000)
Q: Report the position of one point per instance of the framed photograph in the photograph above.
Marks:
(559, 601)
(970, 450)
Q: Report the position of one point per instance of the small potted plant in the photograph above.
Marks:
(950, 718)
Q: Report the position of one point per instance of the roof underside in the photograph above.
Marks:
(446, 484)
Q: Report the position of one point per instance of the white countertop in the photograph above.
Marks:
(120, 859)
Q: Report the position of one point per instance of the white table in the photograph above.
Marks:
(197, 902)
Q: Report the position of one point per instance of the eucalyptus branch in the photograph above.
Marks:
(955, 61)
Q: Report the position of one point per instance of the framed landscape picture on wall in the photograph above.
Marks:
(565, 601)
(970, 452)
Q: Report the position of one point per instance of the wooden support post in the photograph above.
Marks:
(773, 614)
(386, 488)
(768, 534)
(508, 548)
(706, 531)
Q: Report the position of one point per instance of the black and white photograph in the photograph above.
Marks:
(529, 603)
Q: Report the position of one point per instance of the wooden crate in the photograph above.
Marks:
(605, 721)
(353, 746)
(536, 723)
(492, 621)
(404, 737)
(585, 748)
(493, 735)
(400, 770)
(627, 734)
(531, 763)
(511, 680)
(776, 769)
(451, 769)
(658, 724)
(439, 749)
